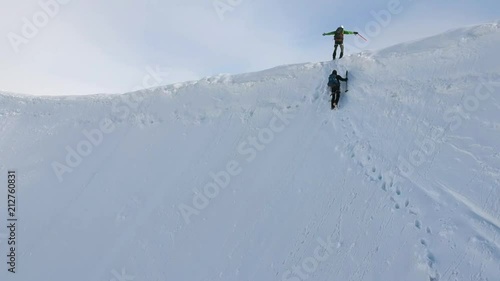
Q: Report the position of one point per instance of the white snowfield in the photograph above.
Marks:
(253, 178)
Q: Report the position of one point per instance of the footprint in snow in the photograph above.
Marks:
(418, 224)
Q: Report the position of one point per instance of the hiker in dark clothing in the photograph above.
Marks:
(334, 84)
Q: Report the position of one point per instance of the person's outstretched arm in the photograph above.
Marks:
(329, 33)
(350, 32)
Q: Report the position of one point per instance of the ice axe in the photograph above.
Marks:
(362, 37)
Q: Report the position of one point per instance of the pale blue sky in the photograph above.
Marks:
(96, 46)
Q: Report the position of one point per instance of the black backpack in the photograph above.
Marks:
(339, 34)
(333, 82)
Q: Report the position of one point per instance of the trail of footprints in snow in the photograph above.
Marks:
(361, 153)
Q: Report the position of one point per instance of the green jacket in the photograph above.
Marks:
(345, 32)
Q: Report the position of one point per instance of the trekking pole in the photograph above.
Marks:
(347, 84)
(361, 37)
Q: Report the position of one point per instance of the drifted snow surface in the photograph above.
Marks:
(401, 183)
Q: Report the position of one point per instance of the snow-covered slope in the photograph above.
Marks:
(253, 177)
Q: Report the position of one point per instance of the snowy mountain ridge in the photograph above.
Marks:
(253, 177)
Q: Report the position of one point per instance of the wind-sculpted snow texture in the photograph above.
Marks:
(253, 177)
